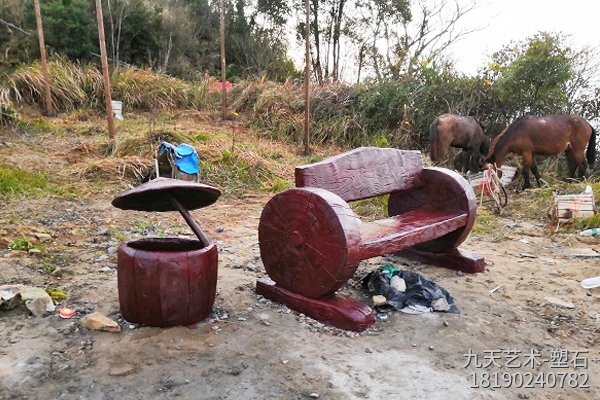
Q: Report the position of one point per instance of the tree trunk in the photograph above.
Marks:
(317, 60)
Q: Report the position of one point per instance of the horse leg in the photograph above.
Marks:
(527, 159)
(581, 164)
(536, 173)
(571, 163)
(475, 158)
(465, 161)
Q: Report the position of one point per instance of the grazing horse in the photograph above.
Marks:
(449, 130)
(548, 135)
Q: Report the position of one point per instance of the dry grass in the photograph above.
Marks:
(75, 86)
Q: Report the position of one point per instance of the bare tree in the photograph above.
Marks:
(402, 36)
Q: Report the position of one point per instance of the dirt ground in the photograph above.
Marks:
(253, 348)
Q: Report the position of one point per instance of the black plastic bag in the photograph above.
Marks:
(420, 293)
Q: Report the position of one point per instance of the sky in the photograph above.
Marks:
(498, 22)
(505, 20)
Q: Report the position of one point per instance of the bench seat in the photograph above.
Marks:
(413, 227)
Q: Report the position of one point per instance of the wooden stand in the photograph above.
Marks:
(459, 260)
(340, 311)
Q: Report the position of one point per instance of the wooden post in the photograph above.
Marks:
(106, 76)
(307, 83)
(45, 73)
(223, 63)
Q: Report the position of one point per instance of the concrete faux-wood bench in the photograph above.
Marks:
(311, 242)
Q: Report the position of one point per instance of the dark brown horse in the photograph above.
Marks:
(449, 130)
(548, 135)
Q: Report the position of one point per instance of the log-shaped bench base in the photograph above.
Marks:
(459, 260)
(337, 310)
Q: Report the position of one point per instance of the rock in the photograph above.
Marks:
(440, 304)
(559, 303)
(378, 300)
(99, 322)
(368, 350)
(10, 296)
(398, 283)
(37, 301)
(112, 250)
(43, 237)
(219, 229)
(314, 395)
(34, 251)
(251, 267)
(101, 259)
(105, 269)
(446, 323)
(121, 369)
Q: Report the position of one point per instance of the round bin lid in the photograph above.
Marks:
(154, 195)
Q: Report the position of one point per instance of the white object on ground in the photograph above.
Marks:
(117, 109)
(590, 232)
(591, 283)
(398, 283)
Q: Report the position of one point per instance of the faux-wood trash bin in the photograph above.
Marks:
(167, 281)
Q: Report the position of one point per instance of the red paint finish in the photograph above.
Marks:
(442, 189)
(457, 259)
(362, 173)
(166, 282)
(311, 241)
(340, 311)
(306, 240)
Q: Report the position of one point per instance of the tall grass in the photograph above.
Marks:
(76, 85)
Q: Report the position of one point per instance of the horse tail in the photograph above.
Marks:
(434, 141)
(590, 154)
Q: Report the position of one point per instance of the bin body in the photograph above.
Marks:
(166, 281)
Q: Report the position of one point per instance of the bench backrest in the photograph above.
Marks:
(363, 173)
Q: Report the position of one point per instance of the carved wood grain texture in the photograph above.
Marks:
(308, 240)
(364, 172)
(337, 310)
(441, 189)
(407, 229)
(166, 288)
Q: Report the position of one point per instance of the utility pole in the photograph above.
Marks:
(45, 73)
(307, 83)
(105, 75)
(223, 63)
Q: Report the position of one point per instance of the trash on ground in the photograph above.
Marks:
(494, 289)
(99, 322)
(591, 283)
(590, 232)
(508, 174)
(420, 295)
(528, 255)
(569, 206)
(582, 252)
(66, 312)
(559, 303)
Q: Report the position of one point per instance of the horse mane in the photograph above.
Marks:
(505, 134)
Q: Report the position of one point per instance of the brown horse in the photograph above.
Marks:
(548, 135)
(449, 130)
